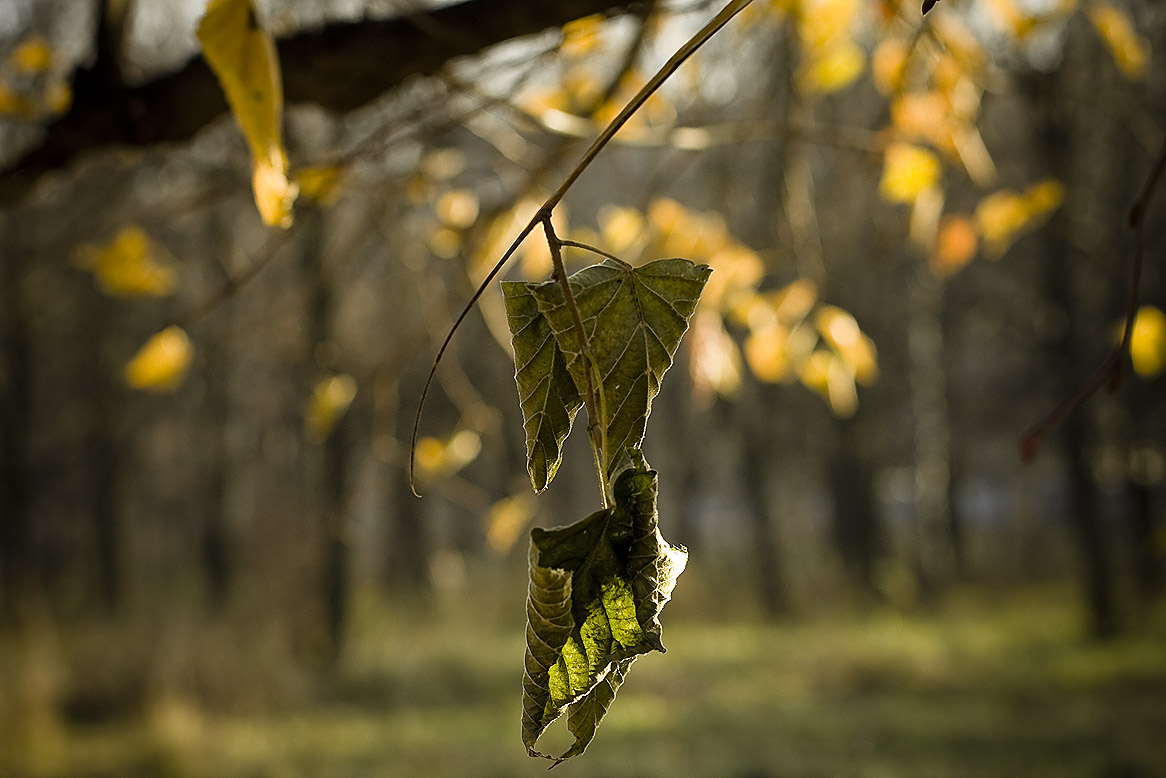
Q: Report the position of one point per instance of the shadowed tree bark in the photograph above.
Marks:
(339, 66)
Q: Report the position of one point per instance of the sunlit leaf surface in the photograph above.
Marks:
(596, 591)
(634, 319)
(242, 55)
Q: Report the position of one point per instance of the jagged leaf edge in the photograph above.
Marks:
(601, 328)
(653, 566)
(531, 335)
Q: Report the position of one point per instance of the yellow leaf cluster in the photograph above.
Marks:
(908, 171)
(792, 336)
(1001, 216)
(888, 64)
(161, 364)
(1148, 342)
(583, 36)
(330, 400)
(715, 361)
(436, 458)
(33, 55)
(319, 183)
(30, 87)
(242, 55)
(128, 266)
(1130, 50)
(832, 60)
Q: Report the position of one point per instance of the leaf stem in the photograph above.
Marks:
(544, 213)
(596, 411)
(588, 247)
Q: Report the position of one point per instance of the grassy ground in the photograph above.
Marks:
(985, 689)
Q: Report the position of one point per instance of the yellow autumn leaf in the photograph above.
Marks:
(1148, 342)
(1001, 216)
(242, 55)
(161, 364)
(715, 365)
(925, 116)
(582, 36)
(765, 352)
(955, 245)
(1044, 197)
(127, 266)
(794, 301)
(34, 55)
(822, 23)
(908, 171)
(621, 227)
(857, 351)
(1130, 50)
(506, 520)
(330, 400)
(319, 183)
(434, 457)
(832, 69)
(887, 64)
(457, 208)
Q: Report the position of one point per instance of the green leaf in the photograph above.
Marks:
(596, 591)
(546, 392)
(634, 318)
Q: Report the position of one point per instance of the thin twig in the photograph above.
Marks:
(544, 213)
(1112, 370)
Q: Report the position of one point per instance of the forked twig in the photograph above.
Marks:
(543, 214)
(1112, 370)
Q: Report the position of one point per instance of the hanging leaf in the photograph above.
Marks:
(128, 266)
(546, 392)
(161, 364)
(634, 319)
(242, 55)
(596, 591)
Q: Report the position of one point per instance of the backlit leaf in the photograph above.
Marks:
(33, 55)
(319, 183)
(161, 364)
(1148, 342)
(1130, 50)
(955, 245)
(634, 318)
(908, 171)
(546, 391)
(242, 55)
(832, 69)
(596, 591)
(330, 400)
(128, 266)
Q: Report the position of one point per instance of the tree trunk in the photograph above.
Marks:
(17, 548)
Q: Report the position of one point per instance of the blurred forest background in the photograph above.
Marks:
(210, 561)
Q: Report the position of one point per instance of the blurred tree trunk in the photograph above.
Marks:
(333, 449)
(928, 378)
(756, 449)
(17, 548)
(857, 533)
(1059, 138)
(217, 559)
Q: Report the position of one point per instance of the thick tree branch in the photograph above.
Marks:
(340, 67)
